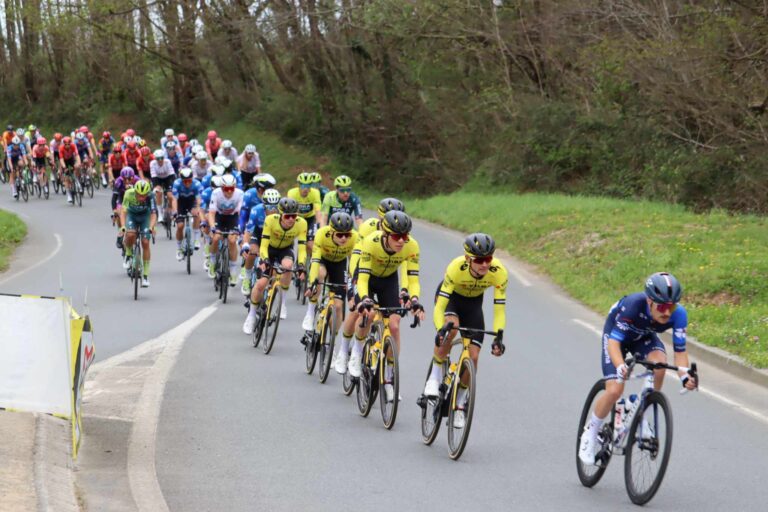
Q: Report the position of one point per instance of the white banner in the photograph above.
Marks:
(34, 352)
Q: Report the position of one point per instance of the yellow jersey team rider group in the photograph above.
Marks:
(276, 246)
(459, 300)
(309, 203)
(382, 253)
(333, 245)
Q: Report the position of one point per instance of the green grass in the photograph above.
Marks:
(12, 232)
(597, 249)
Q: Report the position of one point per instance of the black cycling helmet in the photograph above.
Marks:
(388, 204)
(479, 245)
(396, 222)
(341, 222)
(287, 205)
(663, 288)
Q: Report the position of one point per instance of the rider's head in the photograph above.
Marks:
(663, 292)
(478, 251)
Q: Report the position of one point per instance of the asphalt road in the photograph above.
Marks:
(240, 430)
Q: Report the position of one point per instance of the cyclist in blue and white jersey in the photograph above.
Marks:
(16, 153)
(223, 215)
(252, 234)
(173, 155)
(167, 137)
(253, 196)
(187, 196)
(205, 229)
(632, 327)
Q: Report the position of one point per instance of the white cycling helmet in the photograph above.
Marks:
(194, 143)
(16, 140)
(227, 144)
(264, 180)
(169, 132)
(20, 131)
(79, 135)
(217, 160)
(217, 170)
(271, 197)
(127, 139)
(159, 153)
(170, 145)
(216, 182)
(225, 162)
(250, 149)
(228, 181)
(185, 173)
(201, 155)
(136, 139)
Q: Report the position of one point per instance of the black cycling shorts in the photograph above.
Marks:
(186, 204)
(40, 161)
(469, 310)
(165, 183)
(384, 290)
(335, 272)
(226, 222)
(311, 228)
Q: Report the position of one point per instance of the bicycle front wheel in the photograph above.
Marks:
(368, 383)
(273, 318)
(431, 413)
(347, 381)
(649, 444)
(24, 191)
(311, 351)
(589, 475)
(389, 371)
(458, 433)
(327, 342)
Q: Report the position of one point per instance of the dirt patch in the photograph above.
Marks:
(586, 244)
(716, 299)
(549, 237)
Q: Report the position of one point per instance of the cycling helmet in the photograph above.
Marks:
(228, 181)
(130, 132)
(227, 144)
(142, 187)
(170, 145)
(185, 173)
(182, 137)
(41, 141)
(83, 129)
(169, 132)
(342, 181)
(271, 197)
(250, 149)
(212, 134)
(57, 136)
(663, 288)
(32, 128)
(216, 182)
(66, 141)
(127, 139)
(127, 173)
(136, 139)
(79, 136)
(106, 135)
(287, 205)
(201, 155)
(388, 204)
(217, 170)
(226, 163)
(304, 179)
(131, 145)
(9, 127)
(20, 131)
(265, 180)
(145, 151)
(316, 177)
(16, 140)
(194, 143)
(396, 222)
(341, 222)
(117, 148)
(479, 245)
(217, 160)
(159, 154)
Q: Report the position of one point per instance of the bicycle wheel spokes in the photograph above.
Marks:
(458, 434)
(390, 371)
(258, 329)
(589, 475)
(347, 381)
(431, 414)
(649, 443)
(368, 384)
(327, 342)
(273, 318)
(311, 351)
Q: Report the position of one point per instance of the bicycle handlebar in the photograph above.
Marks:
(633, 359)
(450, 326)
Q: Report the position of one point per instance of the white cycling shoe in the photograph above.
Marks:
(587, 447)
(179, 255)
(355, 365)
(145, 282)
(459, 418)
(250, 324)
(340, 365)
(306, 324)
(432, 387)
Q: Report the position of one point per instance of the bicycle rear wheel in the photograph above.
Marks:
(458, 436)
(589, 475)
(78, 193)
(311, 349)
(188, 247)
(167, 224)
(431, 413)
(258, 329)
(273, 318)
(368, 383)
(327, 342)
(389, 369)
(38, 190)
(347, 381)
(24, 190)
(88, 186)
(649, 443)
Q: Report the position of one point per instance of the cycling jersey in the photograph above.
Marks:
(458, 280)
(117, 161)
(131, 157)
(145, 164)
(212, 147)
(41, 151)
(326, 249)
(332, 204)
(55, 147)
(174, 159)
(274, 235)
(307, 205)
(134, 207)
(226, 205)
(249, 166)
(250, 200)
(195, 189)
(366, 228)
(255, 224)
(201, 172)
(376, 261)
(82, 147)
(630, 321)
(158, 170)
(165, 139)
(231, 154)
(205, 199)
(17, 150)
(8, 137)
(67, 152)
(105, 145)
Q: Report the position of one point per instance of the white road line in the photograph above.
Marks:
(142, 474)
(518, 276)
(59, 243)
(717, 396)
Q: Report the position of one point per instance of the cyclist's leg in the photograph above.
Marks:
(655, 351)
(613, 387)
(145, 245)
(158, 190)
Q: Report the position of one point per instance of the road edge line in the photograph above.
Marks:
(59, 244)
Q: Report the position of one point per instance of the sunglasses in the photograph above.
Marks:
(305, 187)
(398, 237)
(290, 216)
(346, 190)
(228, 189)
(482, 260)
(343, 235)
(668, 306)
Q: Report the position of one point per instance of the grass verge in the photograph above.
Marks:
(12, 232)
(598, 249)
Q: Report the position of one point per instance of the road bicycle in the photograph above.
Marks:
(41, 181)
(23, 181)
(269, 308)
(300, 282)
(86, 179)
(75, 187)
(320, 341)
(640, 428)
(166, 216)
(136, 269)
(380, 366)
(461, 374)
(187, 246)
(221, 265)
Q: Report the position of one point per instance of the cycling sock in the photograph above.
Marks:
(212, 257)
(129, 252)
(595, 423)
(437, 368)
(310, 309)
(252, 310)
(345, 341)
(146, 268)
(178, 244)
(248, 273)
(390, 371)
(233, 267)
(357, 347)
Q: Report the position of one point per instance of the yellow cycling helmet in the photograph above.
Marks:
(342, 182)
(304, 178)
(316, 177)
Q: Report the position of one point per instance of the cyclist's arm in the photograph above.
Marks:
(358, 213)
(325, 209)
(264, 242)
(303, 244)
(414, 289)
(500, 298)
(317, 206)
(364, 268)
(354, 259)
(446, 289)
(317, 253)
(175, 197)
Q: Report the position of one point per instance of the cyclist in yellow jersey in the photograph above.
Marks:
(459, 300)
(382, 253)
(308, 199)
(333, 244)
(276, 246)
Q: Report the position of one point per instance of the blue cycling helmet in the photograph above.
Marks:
(663, 288)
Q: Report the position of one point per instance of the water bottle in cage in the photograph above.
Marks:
(618, 418)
